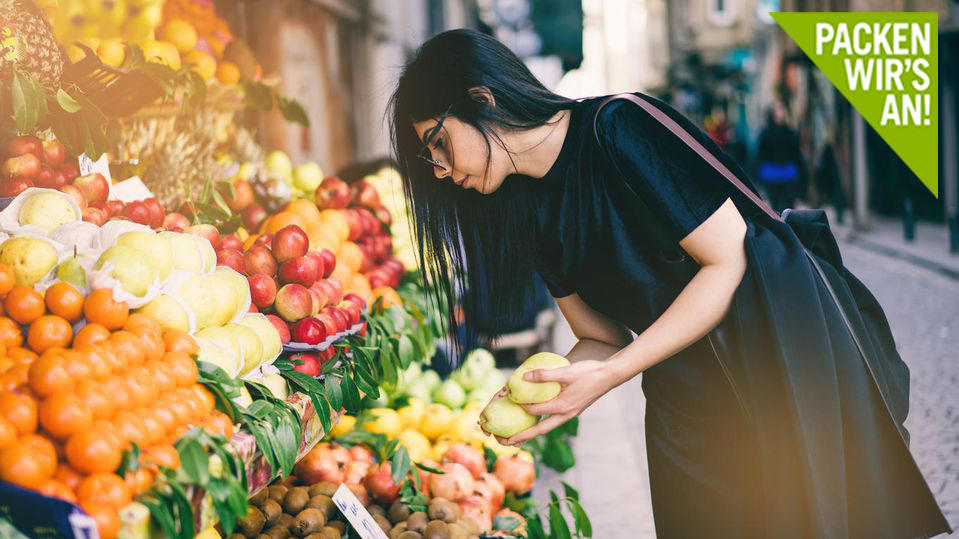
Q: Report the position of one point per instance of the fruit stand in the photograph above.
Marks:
(199, 336)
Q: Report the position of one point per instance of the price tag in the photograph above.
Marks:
(361, 519)
(89, 166)
(129, 190)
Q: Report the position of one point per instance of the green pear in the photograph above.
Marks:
(523, 392)
(71, 271)
(430, 379)
(129, 268)
(30, 259)
(250, 345)
(266, 332)
(156, 249)
(451, 394)
(47, 210)
(168, 312)
(504, 418)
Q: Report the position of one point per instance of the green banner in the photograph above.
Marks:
(886, 64)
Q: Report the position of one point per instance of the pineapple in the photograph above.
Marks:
(37, 51)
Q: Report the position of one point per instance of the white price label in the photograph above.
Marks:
(361, 519)
(89, 166)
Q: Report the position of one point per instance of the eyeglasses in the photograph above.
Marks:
(425, 154)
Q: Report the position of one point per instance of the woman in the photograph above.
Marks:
(632, 231)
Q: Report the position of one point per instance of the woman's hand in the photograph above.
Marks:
(581, 384)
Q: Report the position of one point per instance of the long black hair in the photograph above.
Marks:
(478, 249)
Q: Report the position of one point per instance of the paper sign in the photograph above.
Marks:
(361, 519)
(129, 190)
(89, 166)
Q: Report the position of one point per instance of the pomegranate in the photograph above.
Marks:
(490, 488)
(379, 483)
(360, 492)
(341, 455)
(468, 456)
(508, 513)
(359, 452)
(516, 474)
(319, 466)
(476, 508)
(355, 471)
(455, 484)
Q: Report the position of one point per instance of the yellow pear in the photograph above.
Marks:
(387, 422)
(128, 266)
(523, 392)
(168, 312)
(156, 249)
(47, 210)
(30, 259)
(505, 418)
(197, 294)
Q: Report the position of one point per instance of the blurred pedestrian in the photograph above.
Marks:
(782, 168)
(828, 181)
(761, 417)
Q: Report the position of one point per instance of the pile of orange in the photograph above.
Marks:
(71, 403)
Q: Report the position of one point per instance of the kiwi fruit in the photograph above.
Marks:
(314, 536)
(260, 497)
(376, 510)
(277, 493)
(307, 521)
(409, 535)
(417, 522)
(399, 512)
(329, 533)
(278, 532)
(236, 535)
(295, 500)
(436, 529)
(324, 503)
(457, 531)
(323, 487)
(443, 509)
(337, 525)
(469, 525)
(252, 523)
(397, 530)
(271, 510)
(383, 523)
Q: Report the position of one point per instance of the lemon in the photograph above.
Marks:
(180, 33)
(437, 419)
(387, 422)
(417, 445)
(111, 52)
(201, 63)
(412, 414)
(343, 426)
(155, 51)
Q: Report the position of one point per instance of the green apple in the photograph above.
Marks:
(128, 266)
(278, 163)
(450, 393)
(224, 299)
(250, 346)
(430, 379)
(71, 271)
(222, 356)
(168, 312)
(186, 250)
(30, 258)
(197, 294)
(47, 210)
(475, 369)
(156, 249)
(307, 177)
(505, 418)
(523, 392)
(267, 333)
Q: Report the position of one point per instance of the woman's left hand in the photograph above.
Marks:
(581, 384)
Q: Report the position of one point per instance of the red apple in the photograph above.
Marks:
(265, 239)
(119, 218)
(231, 258)
(23, 166)
(252, 308)
(70, 170)
(353, 310)
(321, 297)
(293, 302)
(157, 213)
(281, 327)
(301, 270)
(206, 231)
(339, 319)
(327, 354)
(360, 302)
(262, 290)
(365, 194)
(115, 207)
(25, 145)
(49, 178)
(242, 195)
(53, 153)
(355, 223)
(337, 290)
(320, 263)
(11, 187)
(137, 211)
(252, 216)
(94, 186)
(96, 216)
(370, 224)
(259, 260)
(290, 242)
(329, 323)
(384, 216)
(316, 302)
(329, 262)
(77, 195)
(378, 278)
(175, 221)
(309, 330)
(231, 241)
(307, 364)
(332, 193)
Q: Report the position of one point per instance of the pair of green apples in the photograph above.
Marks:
(504, 416)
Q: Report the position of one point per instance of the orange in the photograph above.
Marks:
(8, 382)
(160, 376)
(307, 211)
(57, 489)
(20, 411)
(94, 450)
(283, 219)
(219, 424)
(161, 455)
(335, 222)
(95, 398)
(206, 398)
(22, 355)
(23, 304)
(8, 434)
(107, 519)
(101, 308)
(94, 357)
(21, 465)
(128, 345)
(116, 388)
(49, 375)
(10, 333)
(139, 481)
(182, 411)
(153, 346)
(129, 426)
(142, 389)
(228, 73)
(182, 368)
(64, 300)
(153, 431)
(79, 366)
(68, 476)
(43, 448)
(106, 489)
(164, 416)
(117, 362)
(139, 323)
(49, 331)
(175, 340)
(63, 414)
(7, 279)
(90, 334)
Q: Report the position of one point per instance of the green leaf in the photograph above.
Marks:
(400, 465)
(557, 524)
(67, 102)
(570, 491)
(218, 198)
(130, 461)
(292, 111)
(258, 95)
(490, 458)
(194, 461)
(28, 100)
(351, 395)
(580, 518)
(333, 392)
(534, 528)
(426, 468)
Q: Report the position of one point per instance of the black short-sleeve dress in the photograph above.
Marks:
(611, 211)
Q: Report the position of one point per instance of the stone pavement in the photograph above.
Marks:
(922, 303)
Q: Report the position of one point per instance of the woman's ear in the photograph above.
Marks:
(483, 95)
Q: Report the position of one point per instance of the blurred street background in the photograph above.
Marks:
(726, 65)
